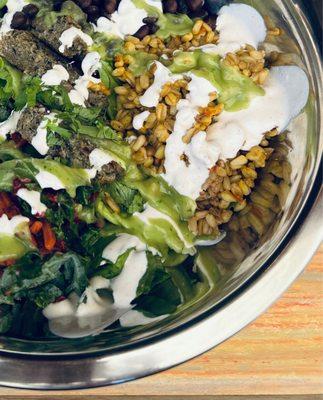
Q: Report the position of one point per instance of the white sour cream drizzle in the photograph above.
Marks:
(125, 285)
(238, 25)
(287, 90)
(98, 158)
(11, 226)
(55, 76)
(139, 120)
(10, 125)
(162, 75)
(46, 179)
(80, 93)
(123, 243)
(125, 21)
(39, 141)
(67, 38)
(188, 179)
(13, 7)
(32, 197)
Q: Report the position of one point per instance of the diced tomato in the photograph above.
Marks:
(36, 227)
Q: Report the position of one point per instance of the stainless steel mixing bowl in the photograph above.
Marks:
(253, 281)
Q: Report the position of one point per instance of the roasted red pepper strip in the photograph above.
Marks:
(49, 236)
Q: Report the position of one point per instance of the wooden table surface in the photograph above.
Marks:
(281, 353)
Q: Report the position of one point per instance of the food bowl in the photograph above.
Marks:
(249, 278)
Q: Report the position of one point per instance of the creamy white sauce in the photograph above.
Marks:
(90, 303)
(139, 120)
(13, 7)
(80, 93)
(125, 285)
(60, 309)
(32, 197)
(135, 318)
(286, 93)
(188, 179)
(11, 226)
(55, 76)
(125, 21)
(46, 179)
(162, 75)
(39, 141)
(238, 25)
(10, 125)
(99, 157)
(67, 38)
(120, 245)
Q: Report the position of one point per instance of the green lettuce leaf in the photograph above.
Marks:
(71, 178)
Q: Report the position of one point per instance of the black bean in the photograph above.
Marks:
(211, 21)
(170, 6)
(153, 28)
(93, 11)
(106, 15)
(57, 5)
(213, 6)
(19, 20)
(194, 5)
(31, 10)
(3, 11)
(200, 13)
(110, 6)
(84, 4)
(150, 20)
(97, 3)
(182, 6)
(142, 32)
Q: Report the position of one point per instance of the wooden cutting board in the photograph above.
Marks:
(281, 353)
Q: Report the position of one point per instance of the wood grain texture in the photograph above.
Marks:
(281, 353)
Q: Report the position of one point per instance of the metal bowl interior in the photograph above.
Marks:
(97, 358)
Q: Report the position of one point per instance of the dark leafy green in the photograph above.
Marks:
(111, 270)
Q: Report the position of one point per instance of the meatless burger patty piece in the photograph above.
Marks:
(51, 35)
(76, 153)
(30, 55)
(29, 121)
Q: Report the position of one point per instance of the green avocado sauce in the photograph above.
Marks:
(71, 178)
(235, 90)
